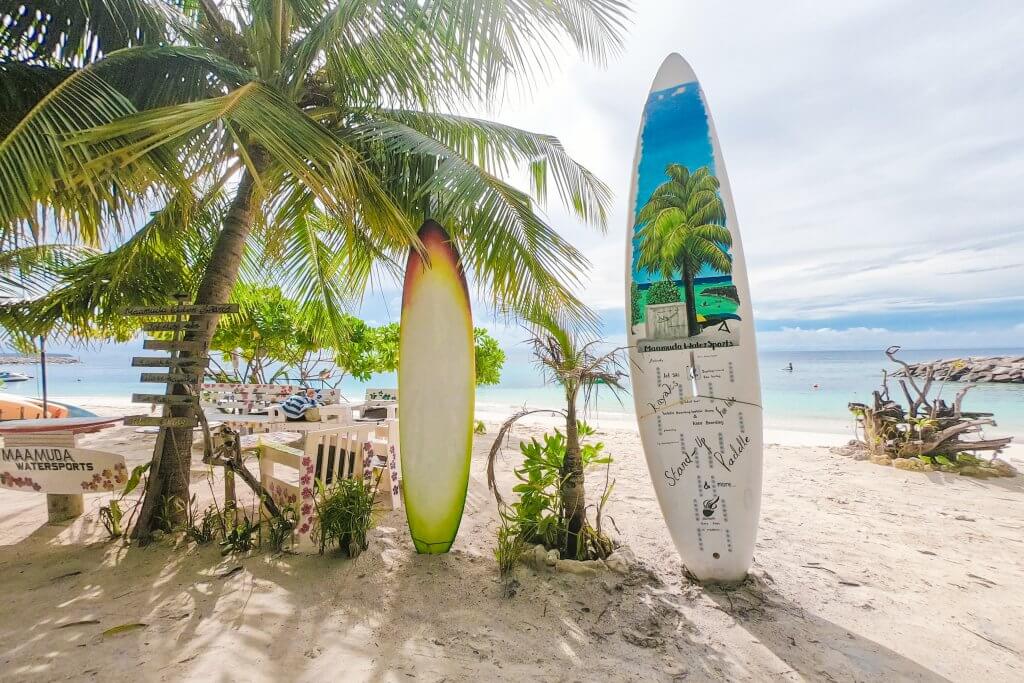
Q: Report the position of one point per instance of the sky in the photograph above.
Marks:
(875, 152)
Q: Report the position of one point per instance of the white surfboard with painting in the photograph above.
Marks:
(691, 333)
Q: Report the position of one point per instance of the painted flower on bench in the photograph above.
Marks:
(9, 480)
(306, 479)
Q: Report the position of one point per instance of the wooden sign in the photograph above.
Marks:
(190, 309)
(172, 326)
(60, 470)
(161, 398)
(169, 377)
(157, 421)
(168, 345)
(147, 362)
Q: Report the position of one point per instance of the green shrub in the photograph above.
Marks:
(663, 292)
(344, 516)
(536, 517)
(201, 529)
(239, 537)
(511, 545)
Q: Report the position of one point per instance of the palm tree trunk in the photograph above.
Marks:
(573, 494)
(692, 326)
(168, 487)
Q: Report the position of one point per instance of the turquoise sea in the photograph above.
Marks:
(790, 399)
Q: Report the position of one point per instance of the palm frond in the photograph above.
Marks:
(77, 32)
(497, 148)
(159, 260)
(499, 39)
(44, 178)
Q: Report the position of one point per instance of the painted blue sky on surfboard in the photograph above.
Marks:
(676, 131)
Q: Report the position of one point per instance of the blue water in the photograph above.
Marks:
(790, 399)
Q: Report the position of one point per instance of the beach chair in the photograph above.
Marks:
(379, 404)
(359, 450)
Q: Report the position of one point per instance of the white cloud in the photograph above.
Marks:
(874, 149)
(800, 338)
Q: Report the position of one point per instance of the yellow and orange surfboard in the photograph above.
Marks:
(436, 391)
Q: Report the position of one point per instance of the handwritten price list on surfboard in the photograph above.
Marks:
(696, 408)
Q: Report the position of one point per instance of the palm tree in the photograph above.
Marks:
(315, 131)
(580, 367)
(683, 229)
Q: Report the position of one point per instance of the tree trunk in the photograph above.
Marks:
(573, 494)
(692, 326)
(168, 487)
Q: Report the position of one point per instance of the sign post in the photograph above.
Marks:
(180, 372)
(48, 460)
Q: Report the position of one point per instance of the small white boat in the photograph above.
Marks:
(8, 376)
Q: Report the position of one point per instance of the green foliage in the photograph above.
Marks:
(340, 113)
(489, 356)
(239, 537)
(273, 331)
(111, 516)
(202, 528)
(537, 516)
(268, 327)
(479, 428)
(167, 515)
(682, 225)
(510, 546)
(279, 531)
(636, 310)
(344, 515)
(663, 292)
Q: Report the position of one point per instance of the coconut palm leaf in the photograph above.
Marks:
(76, 32)
(44, 179)
(498, 148)
(159, 260)
(517, 259)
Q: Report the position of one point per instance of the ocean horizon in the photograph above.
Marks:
(811, 398)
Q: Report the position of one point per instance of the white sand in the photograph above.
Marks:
(862, 573)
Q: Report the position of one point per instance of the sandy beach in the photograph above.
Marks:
(861, 573)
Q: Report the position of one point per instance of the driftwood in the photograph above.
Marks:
(928, 426)
(224, 450)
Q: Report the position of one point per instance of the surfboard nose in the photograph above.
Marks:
(674, 69)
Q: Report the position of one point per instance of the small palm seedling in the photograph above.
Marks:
(552, 494)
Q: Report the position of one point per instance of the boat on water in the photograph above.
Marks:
(10, 376)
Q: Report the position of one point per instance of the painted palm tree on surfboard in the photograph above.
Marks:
(682, 229)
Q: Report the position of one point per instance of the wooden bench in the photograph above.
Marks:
(379, 404)
(367, 451)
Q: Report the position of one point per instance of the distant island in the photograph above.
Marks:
(984, 369)
(33, 359)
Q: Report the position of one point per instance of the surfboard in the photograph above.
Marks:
(436, 391)
(691, 334)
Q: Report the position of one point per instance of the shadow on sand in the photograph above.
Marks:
(837, 654)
